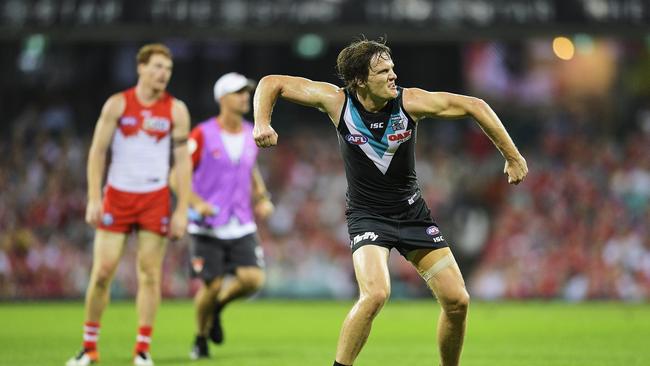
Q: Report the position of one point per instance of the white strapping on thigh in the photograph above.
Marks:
(441, 264)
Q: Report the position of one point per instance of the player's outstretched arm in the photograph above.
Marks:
(104, 130)
(420, 104)
(182, 168)
(324, 96)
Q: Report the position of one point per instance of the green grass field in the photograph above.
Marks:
(292, 333)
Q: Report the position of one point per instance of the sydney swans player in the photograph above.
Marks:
(141, 126)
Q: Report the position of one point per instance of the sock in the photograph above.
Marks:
(91, 335)
(339, 364)
(144, 339)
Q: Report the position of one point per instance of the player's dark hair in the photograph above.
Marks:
(353, 62)
(148, 50)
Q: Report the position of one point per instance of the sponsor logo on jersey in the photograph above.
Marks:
(356, 139)
(156, 124)
(396, 123)
(377, 125)
(400, 137)
(368, 235)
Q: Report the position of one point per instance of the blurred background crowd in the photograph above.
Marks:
(578, 107)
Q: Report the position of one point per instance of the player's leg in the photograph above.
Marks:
(107, 250)
(152, 215)
(439, 269)
(204, 303)
(245, 259)
(207, 259)
(150, 255)
(371, 269)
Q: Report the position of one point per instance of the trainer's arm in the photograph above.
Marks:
(421, 104)
(182, 167)
(261, 196)
(324, 96)
(104, 130)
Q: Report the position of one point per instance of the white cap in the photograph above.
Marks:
(230, 83)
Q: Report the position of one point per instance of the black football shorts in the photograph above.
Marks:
(212, 257)
(405, 231)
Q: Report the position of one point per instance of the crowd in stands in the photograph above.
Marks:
(577, 228)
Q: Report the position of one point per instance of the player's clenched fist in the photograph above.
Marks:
(178, 225)
(265, 135)
(94, 212)
(516, 169)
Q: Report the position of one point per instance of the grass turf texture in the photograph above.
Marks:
(288, 333)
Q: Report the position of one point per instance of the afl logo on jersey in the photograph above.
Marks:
(433, 230)
(128, 121)
(356, 139)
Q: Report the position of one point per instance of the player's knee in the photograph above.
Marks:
(148, 276)
(375, 299)
(102, 276)
(252, 280)
(456, 307)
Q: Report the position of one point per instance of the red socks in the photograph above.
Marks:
(91, 335)
(144, 339)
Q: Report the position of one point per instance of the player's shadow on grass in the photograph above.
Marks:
(234, 358)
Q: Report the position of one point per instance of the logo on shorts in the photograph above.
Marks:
(107, 219)
(368, 235)
(197, 264)
(433, 230)
(164, 224)
(356, 139)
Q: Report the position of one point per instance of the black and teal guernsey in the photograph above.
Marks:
(378, 150)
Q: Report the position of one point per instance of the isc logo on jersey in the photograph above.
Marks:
(400, 137)
(356, 139)
(157, 124)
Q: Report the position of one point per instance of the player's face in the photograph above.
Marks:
(157, 72)
(381, 77)
(238, 102)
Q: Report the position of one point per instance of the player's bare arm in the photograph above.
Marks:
(104, 130)
(196, 202)
(421, 104)
(263, 206)
(182, 168)
(326, 97)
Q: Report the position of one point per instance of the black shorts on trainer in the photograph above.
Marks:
(212, 257)
(405, 231)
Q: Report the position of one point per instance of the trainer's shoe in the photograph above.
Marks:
(216, 332)
(199, 349)
(142, 359)
(84, 358)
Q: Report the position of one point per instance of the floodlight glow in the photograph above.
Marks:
(563, 48)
